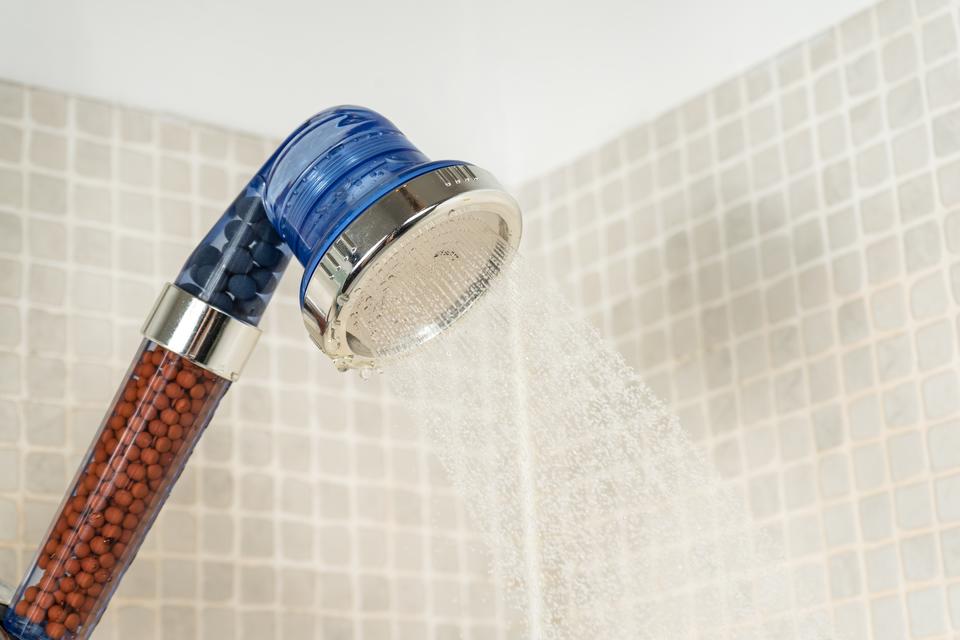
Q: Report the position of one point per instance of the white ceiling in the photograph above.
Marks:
(516, 86)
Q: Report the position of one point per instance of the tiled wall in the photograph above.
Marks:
(780, 257)
(311, 508)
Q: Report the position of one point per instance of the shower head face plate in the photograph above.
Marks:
(410, 265)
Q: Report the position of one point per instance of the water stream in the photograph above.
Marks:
(604, 519)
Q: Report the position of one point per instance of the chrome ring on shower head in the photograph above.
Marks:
(421, 207)
(200, 332)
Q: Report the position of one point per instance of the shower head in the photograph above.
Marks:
(395, 247)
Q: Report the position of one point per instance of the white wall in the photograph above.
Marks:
(516, 86)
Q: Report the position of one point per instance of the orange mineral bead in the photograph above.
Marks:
(72, 622)
(72, 566)
(86, 532)
(112, 531)
(134, 425)
(186, 379)
(84, 580)
(113, 516)
(46, 584)
(98, 545)
(139, 490)
(57, 570)
(136, 471)
(68, 585)
(97, 503)
(107, 560)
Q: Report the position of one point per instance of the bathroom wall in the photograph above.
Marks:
(311, 509)
(780, 257)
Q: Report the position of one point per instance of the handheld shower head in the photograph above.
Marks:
(394, 247)
(377, 227)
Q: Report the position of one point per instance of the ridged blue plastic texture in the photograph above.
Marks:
(330, 171)
(323, 176)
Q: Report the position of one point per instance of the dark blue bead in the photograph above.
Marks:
(265, 231)
(221, 301)
(207, 254)
(239, 233)
(266, 255)
(251, 309)
(242, 287)
(266, 283)
(249, 208)
(207, 277)
(238, 261)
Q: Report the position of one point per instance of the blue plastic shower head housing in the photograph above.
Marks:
(342, 193)
(331, 169)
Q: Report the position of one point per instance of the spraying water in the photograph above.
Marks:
(604, 520)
